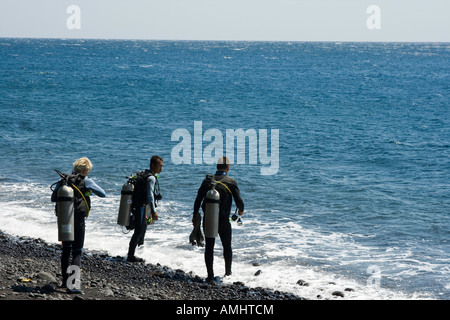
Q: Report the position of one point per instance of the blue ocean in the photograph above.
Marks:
(355, 197)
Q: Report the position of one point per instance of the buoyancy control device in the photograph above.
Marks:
(69, 198)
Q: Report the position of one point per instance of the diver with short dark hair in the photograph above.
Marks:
(148, 199)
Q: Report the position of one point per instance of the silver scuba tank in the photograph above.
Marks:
(212, 200)
(126, 200)
(65, 211)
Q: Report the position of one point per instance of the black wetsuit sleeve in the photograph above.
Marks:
(200, 196)
(54, 197)
(237, 196)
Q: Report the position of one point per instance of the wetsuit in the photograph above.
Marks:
(76, 247)
(141, 217)
(226, 197)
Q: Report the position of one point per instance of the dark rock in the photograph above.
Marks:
(47, 289)
(338, 294)
(302, 283)
(22, 288)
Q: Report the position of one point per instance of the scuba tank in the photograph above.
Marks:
(126, 201)
(65, 211)
(67, 203)
(211, 223)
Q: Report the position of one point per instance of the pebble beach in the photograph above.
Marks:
(30, 270)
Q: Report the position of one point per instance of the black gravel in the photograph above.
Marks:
(30, 269)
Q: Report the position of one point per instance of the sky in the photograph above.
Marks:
(248, 20)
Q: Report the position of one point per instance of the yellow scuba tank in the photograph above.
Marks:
(212, 201)
(126, 201)
(65, 211)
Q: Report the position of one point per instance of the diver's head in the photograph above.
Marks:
(223, 164)
(83, 166)
(156, 164)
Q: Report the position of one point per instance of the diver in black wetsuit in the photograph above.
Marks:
(228, 190)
